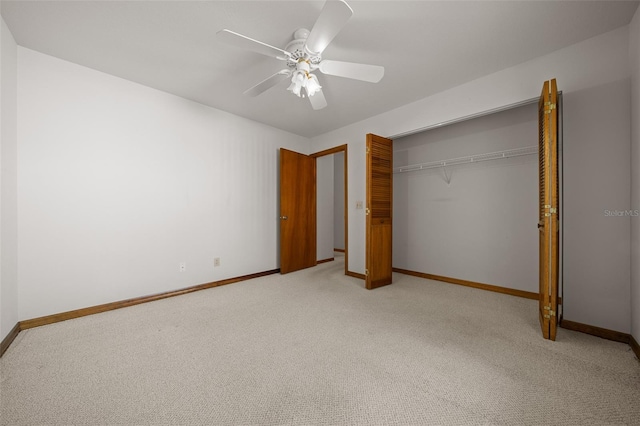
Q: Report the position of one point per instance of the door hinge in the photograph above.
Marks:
(548, 107)
(551, 313)
(366, 272)
(367, 211)
(368, 150)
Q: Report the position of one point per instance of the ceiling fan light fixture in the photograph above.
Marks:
(295, 89)
(313, 85)
(297, 82)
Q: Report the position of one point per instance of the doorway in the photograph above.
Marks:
(328, 162)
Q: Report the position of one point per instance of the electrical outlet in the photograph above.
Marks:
(216, 261)
(182, 267)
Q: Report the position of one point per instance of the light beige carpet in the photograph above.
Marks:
(315, 348)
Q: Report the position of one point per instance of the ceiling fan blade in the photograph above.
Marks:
(364, 72)
(333, 17)
(244, 42)
(268, 83)
(318, 100)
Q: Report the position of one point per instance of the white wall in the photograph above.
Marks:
(590, 63)
(338, 200)
(324, 207)
(597, 260)
(634, 53)
(481, 226)
(119, 183)
(8, 182)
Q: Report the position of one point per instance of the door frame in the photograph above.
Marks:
(330, 151)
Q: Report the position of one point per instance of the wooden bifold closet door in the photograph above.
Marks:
(379, 211)
(548, 223)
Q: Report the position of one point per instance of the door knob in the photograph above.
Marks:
(284, 217)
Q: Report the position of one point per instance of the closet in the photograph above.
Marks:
(466, 202)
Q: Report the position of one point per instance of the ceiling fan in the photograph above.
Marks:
(303, 56)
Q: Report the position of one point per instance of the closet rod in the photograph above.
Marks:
(469, 159)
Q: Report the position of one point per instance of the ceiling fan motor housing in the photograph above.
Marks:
(297, 50)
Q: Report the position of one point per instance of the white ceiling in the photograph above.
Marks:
(425, 46)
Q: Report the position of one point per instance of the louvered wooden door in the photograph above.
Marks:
(379, 211)
(297, 211)
(548, 223)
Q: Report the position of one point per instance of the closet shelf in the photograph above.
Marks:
(469, 159)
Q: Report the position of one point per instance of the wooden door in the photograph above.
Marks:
(297, 211)
(548, 224)
(379, 211)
